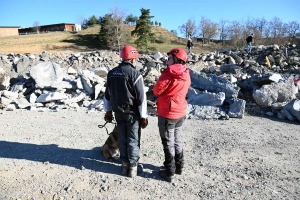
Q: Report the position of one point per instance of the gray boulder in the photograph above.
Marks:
(213, 83)
(283, 91)
(46, 74)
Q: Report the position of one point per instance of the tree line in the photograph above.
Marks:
(234, 32)
(112, 34)
(227, 32)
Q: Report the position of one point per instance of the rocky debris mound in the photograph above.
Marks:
(225, 83)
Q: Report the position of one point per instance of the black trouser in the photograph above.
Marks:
(129, 136)
(170, 132)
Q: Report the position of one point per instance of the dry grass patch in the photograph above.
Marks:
(87, 40)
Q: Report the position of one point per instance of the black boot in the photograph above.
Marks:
(179, 163)
(165, 176)
(179, 171)
(125, 169)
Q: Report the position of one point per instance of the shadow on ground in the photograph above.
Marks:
(89, 41)
(77, 158)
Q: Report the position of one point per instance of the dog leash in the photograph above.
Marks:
(103, 126)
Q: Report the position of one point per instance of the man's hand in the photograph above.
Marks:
(108, 116)
(144, 122)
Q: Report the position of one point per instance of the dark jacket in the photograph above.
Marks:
(189, 44)
(125, 91)
(249, 38)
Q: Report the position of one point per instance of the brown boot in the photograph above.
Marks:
(133, 171)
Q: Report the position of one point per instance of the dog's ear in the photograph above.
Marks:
(106, 151)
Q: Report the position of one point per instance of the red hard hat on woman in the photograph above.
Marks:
(129, 52)
(179, 53)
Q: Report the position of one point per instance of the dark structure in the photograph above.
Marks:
(47, 28)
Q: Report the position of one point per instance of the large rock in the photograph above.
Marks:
(237, 108)
(207, 99)
(292, 110)
(46, 74)
(283, 91)
(4, 80)
(213, 83)
(204, 112)
(52, 96)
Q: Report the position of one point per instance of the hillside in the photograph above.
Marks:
(86, 40)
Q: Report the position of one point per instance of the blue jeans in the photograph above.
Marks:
(249, 47)
(170, 132)
(189, 50)
(129, 131)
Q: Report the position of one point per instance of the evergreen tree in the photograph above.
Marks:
(135, 19)
(111, 34)
(130, 19)
(143, 30)
(84, 24)
(104, 30)
(92, 21)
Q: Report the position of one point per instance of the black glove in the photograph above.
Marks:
(144, 122)
(108, 116)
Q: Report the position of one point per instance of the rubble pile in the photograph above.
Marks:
(225, 83)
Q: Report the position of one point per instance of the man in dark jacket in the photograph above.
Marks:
(249, 40)
(125, 96)
(189, 46)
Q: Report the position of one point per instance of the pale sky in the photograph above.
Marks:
(171, 14)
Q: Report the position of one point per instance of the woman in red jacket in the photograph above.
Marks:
(171, 89)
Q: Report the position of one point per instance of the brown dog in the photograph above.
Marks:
(111, 147)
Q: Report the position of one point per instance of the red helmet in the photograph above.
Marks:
(179, 53)
(129, 52)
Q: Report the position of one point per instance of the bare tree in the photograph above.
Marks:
(236, 34)
(277, 30)
(207, 29)
(36, 26)
(260, 27)
(223, 30)
(292, 28)
(189, 29)
(116, 35)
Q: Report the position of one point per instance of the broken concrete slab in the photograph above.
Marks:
(207, 99)
(267, 78)
(4, 80)
(10, 95)
(204, 112)
(292, 110)
(23, 103)
(283, 91)
(51, 96)
(46, 74)
(213, 83)
(100, 71)
(237, 108)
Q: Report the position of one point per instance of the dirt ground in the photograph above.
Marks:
(56, 155)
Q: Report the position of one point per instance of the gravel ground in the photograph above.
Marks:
(56, 155)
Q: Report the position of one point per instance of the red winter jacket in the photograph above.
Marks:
(171, 89)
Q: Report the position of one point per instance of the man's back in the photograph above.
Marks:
(249, 38)
(121, 82)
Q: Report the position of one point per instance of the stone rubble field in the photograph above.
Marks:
(56, 155)
(241, 136)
